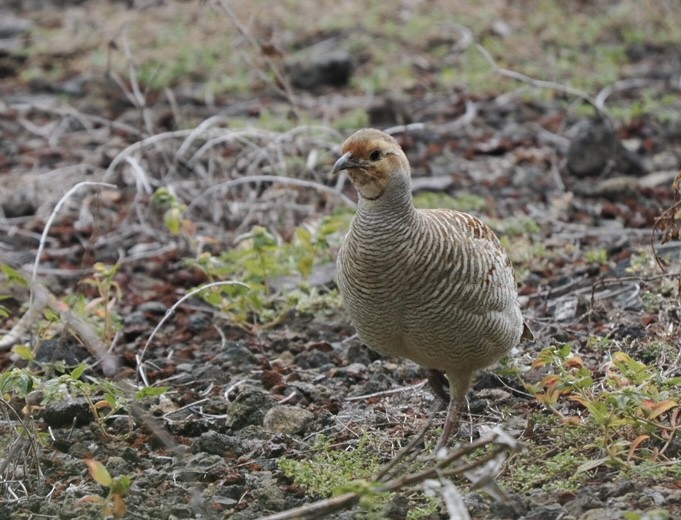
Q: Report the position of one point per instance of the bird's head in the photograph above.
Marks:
(375, 164)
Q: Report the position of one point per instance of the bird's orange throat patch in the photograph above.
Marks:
(370, 185)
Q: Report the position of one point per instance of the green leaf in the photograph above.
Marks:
(305, 266)
(262, 238)
(111, 400)
(304, 235)
(173, 220)
(121, 485)
(24, 352)
(51, 315)
(99, 472)
(13, 275)
(163, 197)
(151, 391)
(16, 380)
(77, 372)
(565, 351)
(592, 464)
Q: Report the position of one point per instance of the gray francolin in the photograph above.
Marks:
(433, 286)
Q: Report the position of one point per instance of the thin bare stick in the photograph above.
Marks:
(550, 85)
(318, 509)
(618, 86)
(53, 215)
(405, 129)
(141, 177)
(228, 136)
(196, 132)
(386, 392)
(171, 311)
(139, 145)
(464, 120)
(387, 470)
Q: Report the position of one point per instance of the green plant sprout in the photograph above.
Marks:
(173, 209)
(114, 503)
(109, 293)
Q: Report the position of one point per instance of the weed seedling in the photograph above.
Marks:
(114, 503)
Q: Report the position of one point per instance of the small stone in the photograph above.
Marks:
(547, 512)
(11, 26)
(312, 359)
(152, 307)
(218, 444)
(325, 66)
(665, 161)
(287, 419)
(238, 354)
(65, 414)
(353, 369)
(199, 322)
(248, 408)
(595, 514)
(117, 465)
(135, 319)
(595, 148)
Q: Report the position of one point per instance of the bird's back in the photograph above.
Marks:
(436, 287)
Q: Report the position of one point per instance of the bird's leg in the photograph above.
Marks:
(439, 384)
(451, 422)
(458, 387)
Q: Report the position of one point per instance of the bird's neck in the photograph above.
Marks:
(394, 205)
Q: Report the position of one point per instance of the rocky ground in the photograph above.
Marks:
(245, 402)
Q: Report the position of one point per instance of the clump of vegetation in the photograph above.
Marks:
(551, 459)
(330, 472)
(276, 272)
(631, 408)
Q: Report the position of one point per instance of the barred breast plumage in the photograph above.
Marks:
(433, 286)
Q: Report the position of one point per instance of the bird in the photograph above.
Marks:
(435, 286)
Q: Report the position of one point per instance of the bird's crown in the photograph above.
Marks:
(369, 142)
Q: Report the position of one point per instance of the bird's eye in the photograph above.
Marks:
(375, 155)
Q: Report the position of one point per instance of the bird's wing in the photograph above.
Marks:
(473, 259)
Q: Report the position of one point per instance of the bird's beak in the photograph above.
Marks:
(343, 163)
